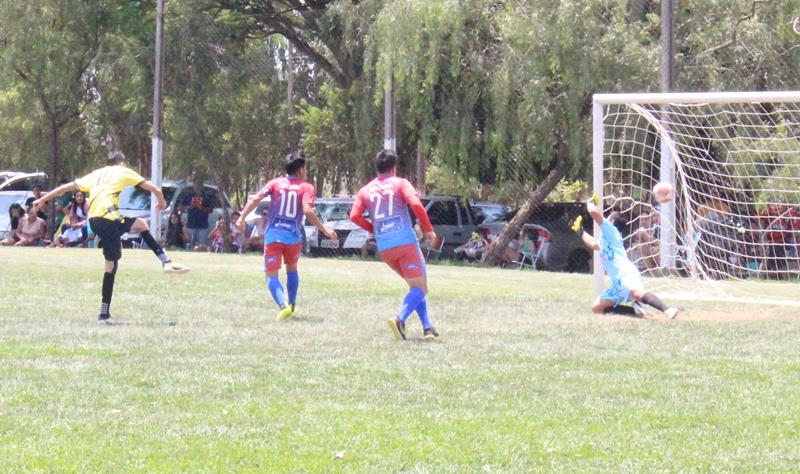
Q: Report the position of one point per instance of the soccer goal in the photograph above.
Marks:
(732, 229)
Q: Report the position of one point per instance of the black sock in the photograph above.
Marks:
(108, 290)
(654, 301)
(620, 309)
(151, 242)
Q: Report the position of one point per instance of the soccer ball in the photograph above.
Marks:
(663, 192)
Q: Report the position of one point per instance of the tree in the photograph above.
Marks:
(51, 46)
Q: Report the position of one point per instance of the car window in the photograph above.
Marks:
(139, 200)
(22, 184)
(443, 213)
(490, 213)
(215, 196)
(6, 200)
(333, 211)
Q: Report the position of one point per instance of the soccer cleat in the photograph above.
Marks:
(172, 267)
(105, 319)
(577, 225)
(430, 334)
(284, 313)
(294, 311)
(639, 310)
(671, 313)
(398, 328)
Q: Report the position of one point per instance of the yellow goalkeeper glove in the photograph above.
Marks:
(577, 225)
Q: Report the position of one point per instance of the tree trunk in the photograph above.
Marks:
(53, 172)
(493, 254)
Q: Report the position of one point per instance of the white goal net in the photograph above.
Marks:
(733, 228)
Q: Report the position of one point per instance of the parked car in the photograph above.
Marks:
(566, 251)
(15, 181)
(135, 202)
(7, 198)
(451, 219)
(335, 213)
(488, 212)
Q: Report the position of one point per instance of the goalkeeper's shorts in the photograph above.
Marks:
(620, 290)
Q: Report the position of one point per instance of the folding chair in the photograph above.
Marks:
(436, 248)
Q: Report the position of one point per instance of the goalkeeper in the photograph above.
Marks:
(626, 281)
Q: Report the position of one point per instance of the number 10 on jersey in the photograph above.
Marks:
(288, 204)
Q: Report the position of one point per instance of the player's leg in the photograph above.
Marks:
(109, 232)
(139, 225)
(291, 255)
(651, 299)
(273, 255)
(108, 291)
(611, 301)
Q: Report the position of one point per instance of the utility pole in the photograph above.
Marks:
(156, 165)
(389, 126)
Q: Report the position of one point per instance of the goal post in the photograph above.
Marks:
(734, 161)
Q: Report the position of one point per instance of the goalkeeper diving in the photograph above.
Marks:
(626, 281)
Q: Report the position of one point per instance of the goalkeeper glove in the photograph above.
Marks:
(577, 225)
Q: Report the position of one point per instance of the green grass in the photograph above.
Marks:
(200, 377)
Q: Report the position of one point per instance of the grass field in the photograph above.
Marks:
(200, 378)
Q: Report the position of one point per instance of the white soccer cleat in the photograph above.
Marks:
(671, 313)
(172, 267)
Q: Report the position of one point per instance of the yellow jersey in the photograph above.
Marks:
(104, 186)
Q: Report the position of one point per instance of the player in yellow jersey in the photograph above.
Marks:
(104, 187)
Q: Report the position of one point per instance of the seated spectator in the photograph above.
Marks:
(511, 252)
(31, 229)
(36, 189)
(370, 247)
(219, 234)
(256, 239)
(73, 233)
(177, 236)
(472, 249)
(15, 214)
(78, 207)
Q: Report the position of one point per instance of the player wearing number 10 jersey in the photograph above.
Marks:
(291, 199)
(388, 199)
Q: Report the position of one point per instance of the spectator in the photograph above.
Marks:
(15, 215)
(197, 205)
(177, 236)
(237, 239)
(61, 204)
(78, 207)
(73, 233)
(256, 239)
(220, 234)
(511, 252)
(472, 249)
(645, 239)
(36, 189)
(31, 229)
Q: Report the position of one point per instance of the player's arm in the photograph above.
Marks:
(409, 194)
(64, 188)
(593, 207)
(357, 215)
(148, 186)
(248, 208)
(312, 218)
(589, 241)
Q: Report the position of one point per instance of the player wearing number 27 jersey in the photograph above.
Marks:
(291, 199)
(388, 199)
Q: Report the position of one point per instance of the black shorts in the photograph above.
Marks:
(109, 232)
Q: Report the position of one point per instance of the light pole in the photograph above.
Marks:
(156, 164)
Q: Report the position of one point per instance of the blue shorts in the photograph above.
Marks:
(620, 290)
